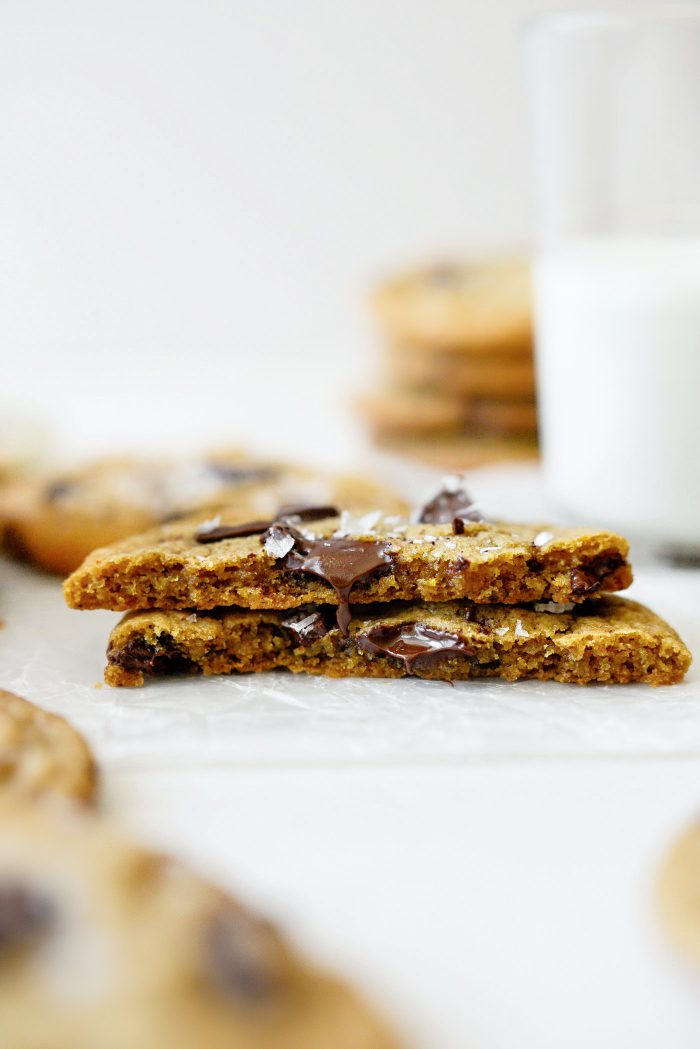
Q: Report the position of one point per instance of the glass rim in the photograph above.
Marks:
(572, 22)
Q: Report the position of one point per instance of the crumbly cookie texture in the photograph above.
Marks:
(330, 561)
(678, 893)
(610, 640)
(56, 520)
(41, 753)
(107, 946)
(460, 307)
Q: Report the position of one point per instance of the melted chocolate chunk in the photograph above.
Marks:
(215, 533)
(301, 512)
(241, 953)
(588, 579)
(138, 656)
(306, 625)
(23, 914)
(235, 475)
(450, 506)
(414, 644)
(340, 562)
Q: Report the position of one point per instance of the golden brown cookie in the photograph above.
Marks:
(320, 559)
(41, 753)
(478, 375)
(406, 413)
(610, 641)
(104, 945)
(57, 521)
(460, 307)
(463, 452)
(679, 893)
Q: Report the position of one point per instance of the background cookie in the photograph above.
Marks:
(463, 452)
(679, 893)
(107, 946)
(480, 375)
(41, 753)
(461, 307)
(57, 521)
(412, 413)
(457, 357)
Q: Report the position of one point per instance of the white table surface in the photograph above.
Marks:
(480, 858)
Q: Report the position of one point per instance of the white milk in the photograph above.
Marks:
(618, 358)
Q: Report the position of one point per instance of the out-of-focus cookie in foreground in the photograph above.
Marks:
(610, 641)
(42, 754)
(104, 945)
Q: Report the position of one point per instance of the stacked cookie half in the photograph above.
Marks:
(445, 596)
(459, 386)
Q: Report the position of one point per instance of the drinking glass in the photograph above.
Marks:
(615, 100)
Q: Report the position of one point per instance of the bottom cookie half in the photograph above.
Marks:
(610, 640)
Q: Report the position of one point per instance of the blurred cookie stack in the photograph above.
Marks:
(459, 386)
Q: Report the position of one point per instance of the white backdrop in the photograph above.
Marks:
(196, 194)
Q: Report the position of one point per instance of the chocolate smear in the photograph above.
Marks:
(340, 562)
(452, 504)
(306, 625)
(414, 644)
(23, 914)
(302, 512)
(242, 953)
(214, 533)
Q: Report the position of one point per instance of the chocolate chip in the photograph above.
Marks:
(340, 562)
(450, 505)
(414, 644)
(445, 274)
(138, 656)
(302, 512)
(306, 625)
(242, 953)
(215, 533)
(23, 914)
(236, 475)
(589, 578)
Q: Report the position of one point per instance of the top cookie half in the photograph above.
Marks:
(330, 561)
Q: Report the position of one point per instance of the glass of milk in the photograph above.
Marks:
(616, 121)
